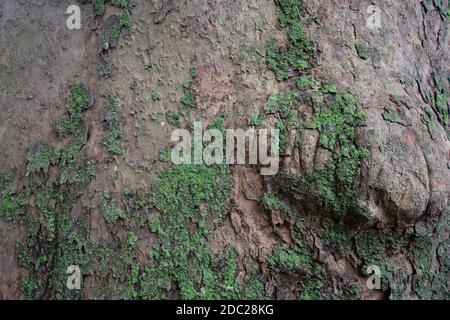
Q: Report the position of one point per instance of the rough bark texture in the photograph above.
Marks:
(85, 124)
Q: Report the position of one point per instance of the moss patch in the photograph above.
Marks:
(362, 50)
(110, 115)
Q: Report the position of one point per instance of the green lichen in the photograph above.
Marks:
(120, 3)
(12, 202)
(173, 117)
(165, 154)
(399, 101)
(362, 50)
(272, 202)
(188, 100)
(125, 19)
(391, 116)
(99, 7)
(104, 67)
(76, 104)
(41, 157)
(110, 115)
(296, 56)
(255, 118)
(304, 82)
(112, 28)
(54, 238)
(280, 104)
(186, 195)
(219, 122)
(427, 119)
(335, 235)
(337, 124)
(285, 259)
(298, 261)
(335, 182)
(156, 96)
(371, 248)
(440, 102)
(444, 10)
(110, 209)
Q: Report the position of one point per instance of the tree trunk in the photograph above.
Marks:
(359, 91)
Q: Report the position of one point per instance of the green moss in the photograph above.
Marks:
(362, 50)
(280, 104)
(165, 154)
(369, 245)
(337, 123)
(284, 259)
(335, 182)
(46, 205)
(110, 115)
(55, 239)
(76, 104)
(254, 119)
(77, 174)
(219, 122)
(186, 195)
(290, 11)
(69, 153)
(41, 157)
(391, 116)
(336, 120)
(271, 202)
(428, 281)
(12, 202)
(396, 241)
(428, 121)
(188, 100)
(193, 72)
(399, 286)
(330, 88)
(399, 100)
(104, 67)
(156, 96)
(296, 56)
(442, 107)
(78, 100)
(120, 3)
(281, 62)
(254, 289)
(110, 209)
(305, 82)
(298, 262)
(440, 102)
(281, 107)
(154, 224)
(30, 287)
(335, 235)
(173, 117)
(349, 292)
(99, 7)
(311, 290)
(112, 28)
(125, 19)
